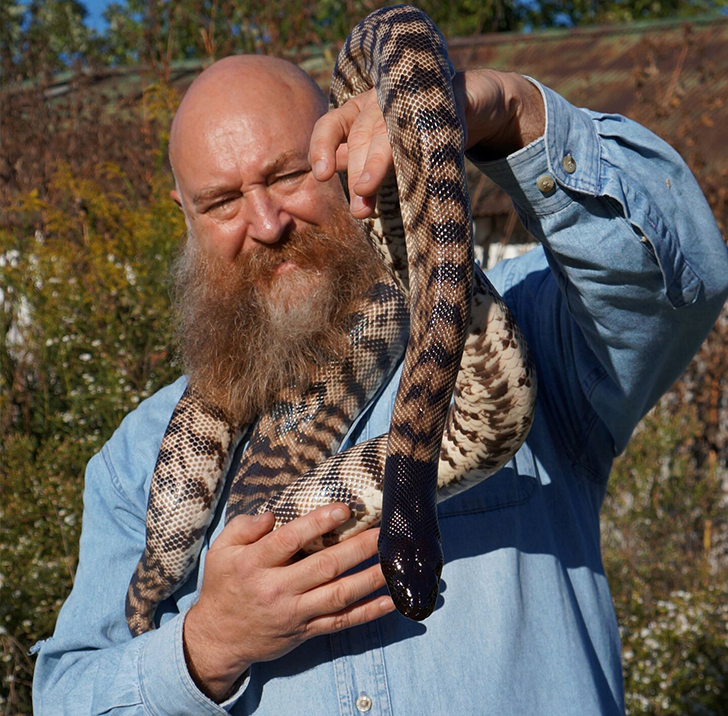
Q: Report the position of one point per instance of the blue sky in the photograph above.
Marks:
(95, 8)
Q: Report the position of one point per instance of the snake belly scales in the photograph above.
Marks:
(467, 394)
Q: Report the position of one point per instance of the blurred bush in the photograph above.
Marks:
(86, 233)
(675, 654)
(84, 336)
(666, 569)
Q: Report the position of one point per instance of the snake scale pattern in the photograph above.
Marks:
(467, 394)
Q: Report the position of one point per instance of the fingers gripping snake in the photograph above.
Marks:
(466, 397)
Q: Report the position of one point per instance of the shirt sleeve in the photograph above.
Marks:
(640, 267)
(91, 665)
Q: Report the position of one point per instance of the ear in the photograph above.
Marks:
(176, 198)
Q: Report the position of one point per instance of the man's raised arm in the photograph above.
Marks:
(641, 268)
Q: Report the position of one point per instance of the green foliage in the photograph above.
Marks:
(587, 12)
(675, 654)
(668, 577)
(84, 336)
(42, 36)
(85, 333)
(83, 282)
(661, 502)
(40, 521)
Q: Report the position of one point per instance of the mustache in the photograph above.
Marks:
(302, 248)
(249, 276)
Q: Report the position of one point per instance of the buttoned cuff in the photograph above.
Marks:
(166, 686)
(541, 178)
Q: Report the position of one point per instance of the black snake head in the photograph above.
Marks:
(412, 571)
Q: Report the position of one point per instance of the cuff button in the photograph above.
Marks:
(546, 184)
(569, 164)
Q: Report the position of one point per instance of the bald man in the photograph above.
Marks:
(629, 278)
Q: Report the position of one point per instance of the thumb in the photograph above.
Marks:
(244, 529)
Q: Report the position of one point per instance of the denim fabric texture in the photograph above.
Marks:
(629, 278)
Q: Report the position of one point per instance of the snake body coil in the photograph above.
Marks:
(466, 370)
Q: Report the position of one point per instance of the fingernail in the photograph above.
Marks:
(386, 604)
(338, 514)
(259, 517)
(363, 179)
(357, 203)
(320, 167)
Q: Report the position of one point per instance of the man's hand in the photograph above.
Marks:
(502, 112)
(257, 605)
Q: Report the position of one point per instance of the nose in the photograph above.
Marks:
(267, 219)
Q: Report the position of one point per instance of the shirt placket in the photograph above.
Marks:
(359, 672)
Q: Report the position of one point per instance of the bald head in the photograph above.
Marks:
(241, 88)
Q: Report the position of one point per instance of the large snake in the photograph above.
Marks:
(466, 370)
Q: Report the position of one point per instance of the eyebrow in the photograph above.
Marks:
(276, 165)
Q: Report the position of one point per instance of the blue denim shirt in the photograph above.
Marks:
(631, 275)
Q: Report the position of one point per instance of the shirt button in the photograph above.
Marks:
(363, 703)
(545, 184)
(569, 164)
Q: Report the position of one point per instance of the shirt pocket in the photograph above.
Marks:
(514, 484)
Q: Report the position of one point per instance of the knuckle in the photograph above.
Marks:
(288, 538)
(377, 155)
(288, 622)
(371, 578)
(315, 627)
(328, 566)
(341, 622)
(373, 115)
(377, 580)
(240, 568)
(339, 595)
(269, 591)
(365, 547)
(359, 137)
(343, 117)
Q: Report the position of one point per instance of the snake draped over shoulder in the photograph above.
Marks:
(467, 394)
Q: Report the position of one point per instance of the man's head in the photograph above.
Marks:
(274, 262)
(239, 151)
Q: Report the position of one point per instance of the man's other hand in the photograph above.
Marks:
(256, 604)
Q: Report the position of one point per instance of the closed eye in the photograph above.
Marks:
(221, 203)
(292, 176)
